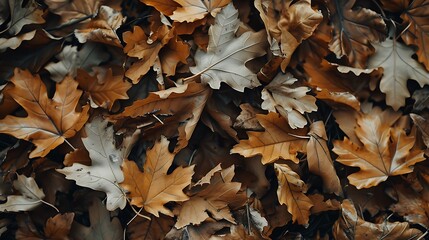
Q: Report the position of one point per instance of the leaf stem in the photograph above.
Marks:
(68, 143)
(51, 205)
(71, 23)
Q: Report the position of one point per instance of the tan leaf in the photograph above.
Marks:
(351, 226)
(15, 42)
(102, 28)
(226, 55)
(58, 226)
(277, 141)
(319, 158)
(214, 198)
(104, 89)
(386, 150)
(166, 7)
(174, 52)
(247, 119)
(153, 188)
(21, 15)
(423, 126)
(398, 66)
(31, 195)
(350, 24)
(291, 101)
(190, 11)
(70, 10)
(291, 193)
(49, 121)
(153, 229)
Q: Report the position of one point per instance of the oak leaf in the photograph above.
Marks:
(227, 54)
(291, 193)
(277, 141)
(350, 24)
(21, 15)
(398, 66)
(319, 158)
(153, 187)
(291, 101)
(49, 121)
(191, 10)
(31, 195)
(105, 173)
(352, 226)
(384, 151)
(213, 199)
(104, 88)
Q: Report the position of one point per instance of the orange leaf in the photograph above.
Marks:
(49, 121)
(153, 188)
(190, 11)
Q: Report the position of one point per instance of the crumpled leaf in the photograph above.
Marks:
(191, 10)
(102, 28)
(291, 192)
(23, 15)
(70, 10)
(104, 88)
(213, 199)
(398, 66)
(104, 226)
(31, 196)
(352, 226)
(384, 151)
(105, 173)
(291, 101)
(350, 25)
(319, 158)
(226, 54)
(49, 121)
(153, 187)
(277, 141)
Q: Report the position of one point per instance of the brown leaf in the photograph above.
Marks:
(277, 141)
(320, 205)
(58, 226)
(247, 119)
(351, 226)
(166, 7)
(385, 151)
(174, 52)
(423, 126)
(73, 9)
(350, 25)
(49, 121)
(104, 88)
(190, 11)
(291, 192)
(22, 15)
(154, 187)
(153, 229)
(319, 158)
(421, 98)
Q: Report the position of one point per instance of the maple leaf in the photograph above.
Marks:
(104, 88)
(103, 225)
(398, 66)
(417, 32)
(49, 121)
(291, 192)
(21, 15)
(214, 198)
(191, 10)
(351, 226)
(226, 54)
(31, 195)
(145, 48)
(385, 151)
(105, 173)
(15, 42)
(277, 141)
(70, 10)
(319, 158)
(102, 28)
(350, 25)
(153, 188)
(280, 95)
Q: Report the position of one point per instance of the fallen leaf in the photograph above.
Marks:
(58, 226)
(421, 98)
(226, 54)
(22, 15)
(15, 42)
(155, 228)
(70, 10)
(153, 188)
(423, 126)
(31, 196)
(247, 119)
(386, 150)
(49, 121)
(291, 101)
(398, 66)
(190, 11)
(351, 226)
(277, 141)
(319, 158)
(105, 173)
(172, 54)
(166, 7)
(291, 193)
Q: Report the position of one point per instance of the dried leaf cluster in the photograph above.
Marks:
(221, 119)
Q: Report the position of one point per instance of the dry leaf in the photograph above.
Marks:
(166, 7)
(277, 141)
(190, 11)
(15, 42)
(226, 54)
(153, 229)
(70, 10)
(58, 226)
(49, 121)
(31, 196)
(22, 15)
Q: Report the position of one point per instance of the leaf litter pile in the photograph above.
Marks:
(221, 119)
